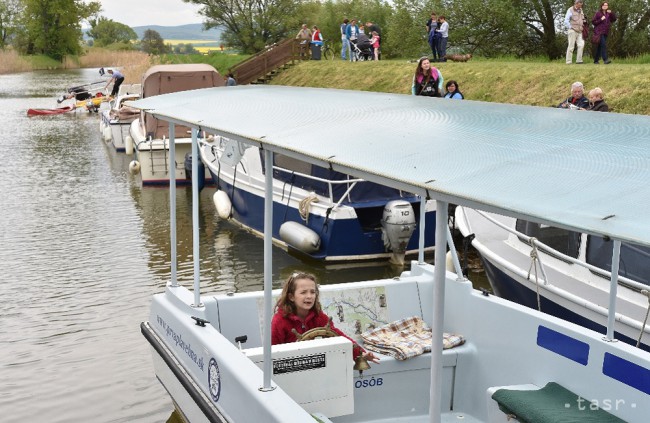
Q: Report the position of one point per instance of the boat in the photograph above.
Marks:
(562, 272)
(321, 214)
(89, 97)
(46, 112)
(115, 122)
(213, 352)
(149, 135)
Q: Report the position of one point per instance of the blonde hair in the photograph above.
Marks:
(597, 92)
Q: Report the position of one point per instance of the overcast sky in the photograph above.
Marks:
(150, 12)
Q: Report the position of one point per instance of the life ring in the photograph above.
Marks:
(319, 332)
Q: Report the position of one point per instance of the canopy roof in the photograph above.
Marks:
(581, 170)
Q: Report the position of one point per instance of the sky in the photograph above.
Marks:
(150, 12)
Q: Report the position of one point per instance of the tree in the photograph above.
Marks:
(152, 43)
(53, 27)
(105, 32)
(182, 48)
(9, 13)
(250, 24)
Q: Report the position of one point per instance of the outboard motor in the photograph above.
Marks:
(397, 226)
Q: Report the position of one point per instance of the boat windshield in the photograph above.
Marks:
(634, 263)
(562, 240)
(320, 180)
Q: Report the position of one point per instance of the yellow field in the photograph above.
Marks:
(203, 46)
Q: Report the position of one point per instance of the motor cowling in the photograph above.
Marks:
(397, 226)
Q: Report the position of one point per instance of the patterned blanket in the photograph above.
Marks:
(405, 338)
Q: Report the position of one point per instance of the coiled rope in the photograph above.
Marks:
(534, 262)
(305, 205)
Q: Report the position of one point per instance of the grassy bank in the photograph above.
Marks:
(626, 86)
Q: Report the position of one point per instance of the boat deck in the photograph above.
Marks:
(453, 417)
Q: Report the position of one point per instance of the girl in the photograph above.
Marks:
(375, 43)
(299, 308)
(316, 43)
(453, 91)
(427, 80)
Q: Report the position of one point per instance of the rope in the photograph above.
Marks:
(305, 205)
(647, 294)
(534, 262)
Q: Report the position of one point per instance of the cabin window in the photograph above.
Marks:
(634, 262)
(562, 240)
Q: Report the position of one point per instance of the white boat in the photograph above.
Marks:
(115, 122)
(213, 353)
(562, 272)
(151, 135)
(321, 214)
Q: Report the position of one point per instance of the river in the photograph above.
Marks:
(84, 248)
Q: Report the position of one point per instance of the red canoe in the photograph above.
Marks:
(57, 111)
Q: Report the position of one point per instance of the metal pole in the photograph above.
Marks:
(435, 393)
(454, 255)
(423, 212)
(268, 269)
(172, 205)
(195, 217)
(613, 288)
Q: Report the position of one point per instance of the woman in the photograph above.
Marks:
(453, 91)
(602, 22)
(316, 43)
(427, 80)
(596, 101)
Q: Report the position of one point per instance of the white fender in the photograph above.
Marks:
(107, 133)
(300, 237)
(223, 204)
(128, 145)
(449, 263)
(134, 167)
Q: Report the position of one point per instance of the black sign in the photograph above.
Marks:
(298, 364)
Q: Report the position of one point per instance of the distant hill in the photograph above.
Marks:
(181, 32)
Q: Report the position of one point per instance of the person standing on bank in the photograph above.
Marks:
(351, 33)
(602, 21)
(316, 43)
(345, 44)
(427, 80)
(574, 21)
(442, 42)
(433, 35)
(117, 78)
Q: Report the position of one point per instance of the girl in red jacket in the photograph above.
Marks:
(299, 308)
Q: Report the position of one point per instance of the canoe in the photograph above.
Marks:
(57, 111)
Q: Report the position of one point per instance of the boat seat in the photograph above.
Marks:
(551, 404)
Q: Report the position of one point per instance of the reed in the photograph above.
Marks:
(133, 64)
(11, 62)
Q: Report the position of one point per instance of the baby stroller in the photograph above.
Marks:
(362, 50)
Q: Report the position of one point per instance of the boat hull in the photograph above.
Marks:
(46, 112)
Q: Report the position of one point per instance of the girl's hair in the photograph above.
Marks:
(602, 4)
(418, 70)
(375, 33)
(451, 82)
(287, 306)
(315, 27)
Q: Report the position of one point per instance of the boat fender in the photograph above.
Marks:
(107, 133)
(300, 237)
(449, 262)
(128, 145)
(223, 204)
(134, 167)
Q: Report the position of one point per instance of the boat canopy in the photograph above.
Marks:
(579, 170)
(163, 79)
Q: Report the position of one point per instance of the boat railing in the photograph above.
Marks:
(622, 280)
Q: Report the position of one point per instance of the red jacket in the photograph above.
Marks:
(281, 328)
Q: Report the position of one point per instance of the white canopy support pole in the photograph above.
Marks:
(172, 205)
(423, 212)
(613, 288)
(268, 269)
(454, 256)
(195, 215)
(435, 393)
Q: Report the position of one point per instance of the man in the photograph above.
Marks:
(577, 100)
(373, 27)
(304, 35)
(345, 44)
(574, 21)
(442, 42)
(117, 78)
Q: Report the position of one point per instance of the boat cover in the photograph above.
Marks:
(580, 170)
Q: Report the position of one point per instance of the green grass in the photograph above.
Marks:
(221, 61)
(43, 62)
(625, 83)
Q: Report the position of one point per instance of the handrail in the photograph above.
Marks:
(604, 273)
(267, 60)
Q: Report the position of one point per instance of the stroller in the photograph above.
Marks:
(362, 50)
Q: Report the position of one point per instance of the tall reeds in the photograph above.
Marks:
(11, 62)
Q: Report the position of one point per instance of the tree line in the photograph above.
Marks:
(488, 28)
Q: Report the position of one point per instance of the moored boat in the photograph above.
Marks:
(115, 123)
(213, 353)
(150, 135)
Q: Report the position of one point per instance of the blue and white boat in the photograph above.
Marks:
(320, 213)
(213, 353)
(562, 272)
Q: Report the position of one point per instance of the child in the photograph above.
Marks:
(375, 43)
(299, 308)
